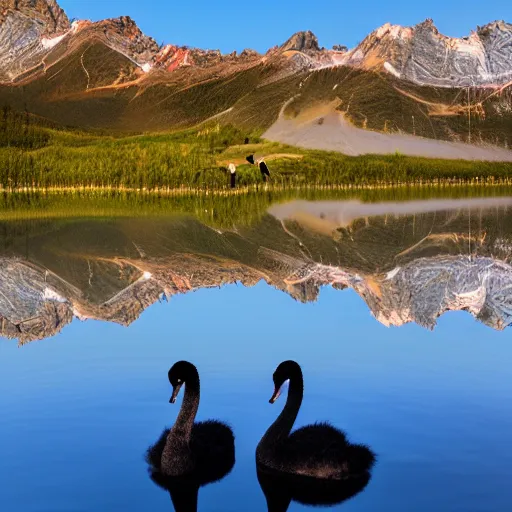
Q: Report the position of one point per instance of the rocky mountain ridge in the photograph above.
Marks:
(35, 31)
(28, 31)
(32, 30)
(423, 55)
(46, 13)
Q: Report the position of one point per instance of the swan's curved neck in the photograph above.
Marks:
(188, 411)
(281, 428)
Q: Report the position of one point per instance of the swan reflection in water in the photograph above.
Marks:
(316, 464)
(190, 455)
(280, 489)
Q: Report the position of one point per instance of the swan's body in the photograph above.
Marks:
(212, 453)
(190, 455)
(319, 451)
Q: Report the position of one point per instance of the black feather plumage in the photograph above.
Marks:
(212, 444)
(319, 451)
(190, 455)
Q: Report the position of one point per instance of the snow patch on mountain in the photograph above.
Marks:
(49, 294)
(390, 69)
(48, 44)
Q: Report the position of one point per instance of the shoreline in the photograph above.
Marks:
(247, 189)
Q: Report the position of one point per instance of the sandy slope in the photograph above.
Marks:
(333, 133)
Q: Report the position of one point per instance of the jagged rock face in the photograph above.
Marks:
(123, 34)
(301, 42)
(45, 12)
(20, 45)
(304, 52)
(423, 55)
(26, 41)
(496, 39)
(31, 30)
(28, 29)
(172, 57)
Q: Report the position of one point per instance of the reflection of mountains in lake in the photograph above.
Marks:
(407, 268)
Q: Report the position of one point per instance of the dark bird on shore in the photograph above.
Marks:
(320, 451)
(265, 173)
(190, 455)
(232, 172)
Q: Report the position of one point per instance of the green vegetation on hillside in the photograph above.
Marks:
(37, 157)
(19, 131)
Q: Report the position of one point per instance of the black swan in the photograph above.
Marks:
(318, 451)
(190, 455)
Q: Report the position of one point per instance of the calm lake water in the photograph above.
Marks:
(398, 313)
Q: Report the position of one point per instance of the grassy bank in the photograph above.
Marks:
(33, 156)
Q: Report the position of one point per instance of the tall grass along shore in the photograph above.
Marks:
(38, 157)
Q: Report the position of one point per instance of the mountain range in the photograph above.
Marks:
(407, 267)
(32, 30)
(110, 75)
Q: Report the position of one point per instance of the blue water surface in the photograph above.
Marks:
(79, 410)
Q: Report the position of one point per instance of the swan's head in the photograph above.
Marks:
(284, 372)
(179, 373)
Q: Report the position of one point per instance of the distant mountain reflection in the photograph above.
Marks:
(406, 267)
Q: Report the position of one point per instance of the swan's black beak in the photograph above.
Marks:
(175, 392)
(275, 396)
